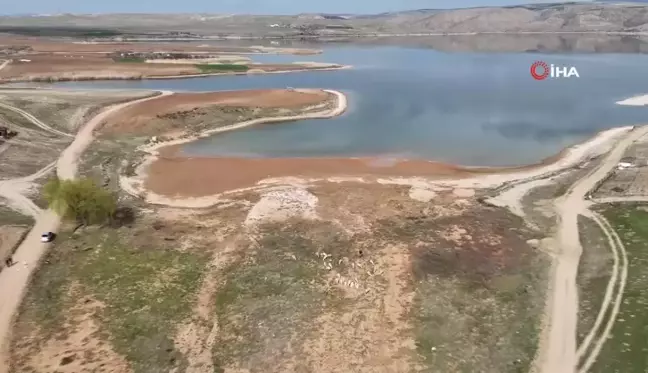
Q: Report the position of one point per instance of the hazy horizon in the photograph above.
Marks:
(257, 7)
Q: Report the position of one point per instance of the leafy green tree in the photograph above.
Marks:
(81, 200)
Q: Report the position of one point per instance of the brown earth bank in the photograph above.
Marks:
(176, 175)
(181, 176)
(50, 67)
(204, 176)
(142, 118)
(173, 174)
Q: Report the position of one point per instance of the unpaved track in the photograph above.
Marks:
(621, 199)
(14, 191)
(4, 64)
(35, 120)
(561, 354)
(609, 291)
(615, 241)
(14, 281)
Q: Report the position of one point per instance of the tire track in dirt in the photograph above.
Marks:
(558, 352)
(618, 299)
(14, 191)
(609, 291)
(561, 356)
(35, 120)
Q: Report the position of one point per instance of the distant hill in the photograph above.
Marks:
(603, 16)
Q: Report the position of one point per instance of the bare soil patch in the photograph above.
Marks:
(79, 349)
(190, 178)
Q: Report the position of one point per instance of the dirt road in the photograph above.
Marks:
(13, 281)
(615, 242)
(35, 120)
(4, 64)
(609, 291)
(561, 354)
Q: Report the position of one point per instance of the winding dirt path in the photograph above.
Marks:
(561, 355)
(615, 241)
(14, 281)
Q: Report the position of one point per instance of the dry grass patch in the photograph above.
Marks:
(478, 288)
(436, 287)
(145, 277)
(65, 110)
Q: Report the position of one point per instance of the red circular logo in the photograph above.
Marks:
(539, 70)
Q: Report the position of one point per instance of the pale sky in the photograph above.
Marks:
(239, 6)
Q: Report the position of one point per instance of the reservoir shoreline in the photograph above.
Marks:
(167, 177)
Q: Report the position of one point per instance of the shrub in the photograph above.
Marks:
(81, 200)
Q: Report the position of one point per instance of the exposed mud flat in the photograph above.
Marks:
(193, 183)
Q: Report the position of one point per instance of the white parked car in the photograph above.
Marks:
(47, 237)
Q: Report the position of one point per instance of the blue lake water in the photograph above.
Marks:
(469, 108)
